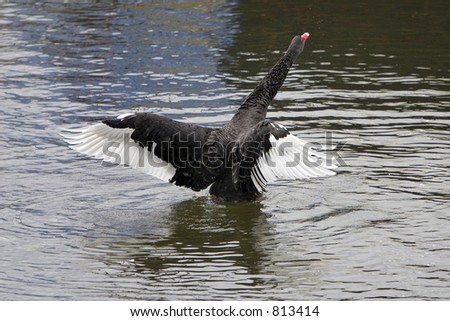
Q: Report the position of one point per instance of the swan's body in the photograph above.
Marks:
(237, 160)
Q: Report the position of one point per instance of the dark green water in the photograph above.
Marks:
(374, 76)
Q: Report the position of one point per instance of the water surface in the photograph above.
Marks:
(373, 77)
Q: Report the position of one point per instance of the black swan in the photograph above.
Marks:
(237, 160)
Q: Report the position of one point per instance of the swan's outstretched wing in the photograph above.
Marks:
(268, 152)
(167, 149)
(254, 108)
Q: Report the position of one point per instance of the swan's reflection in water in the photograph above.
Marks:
(198, 250)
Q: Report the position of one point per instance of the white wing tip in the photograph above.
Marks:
(114, 145)
(125, 115)
(291, 158)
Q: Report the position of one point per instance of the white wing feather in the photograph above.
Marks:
(290, 158)
(115, 145)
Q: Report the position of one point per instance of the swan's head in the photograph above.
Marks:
(298, 43)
